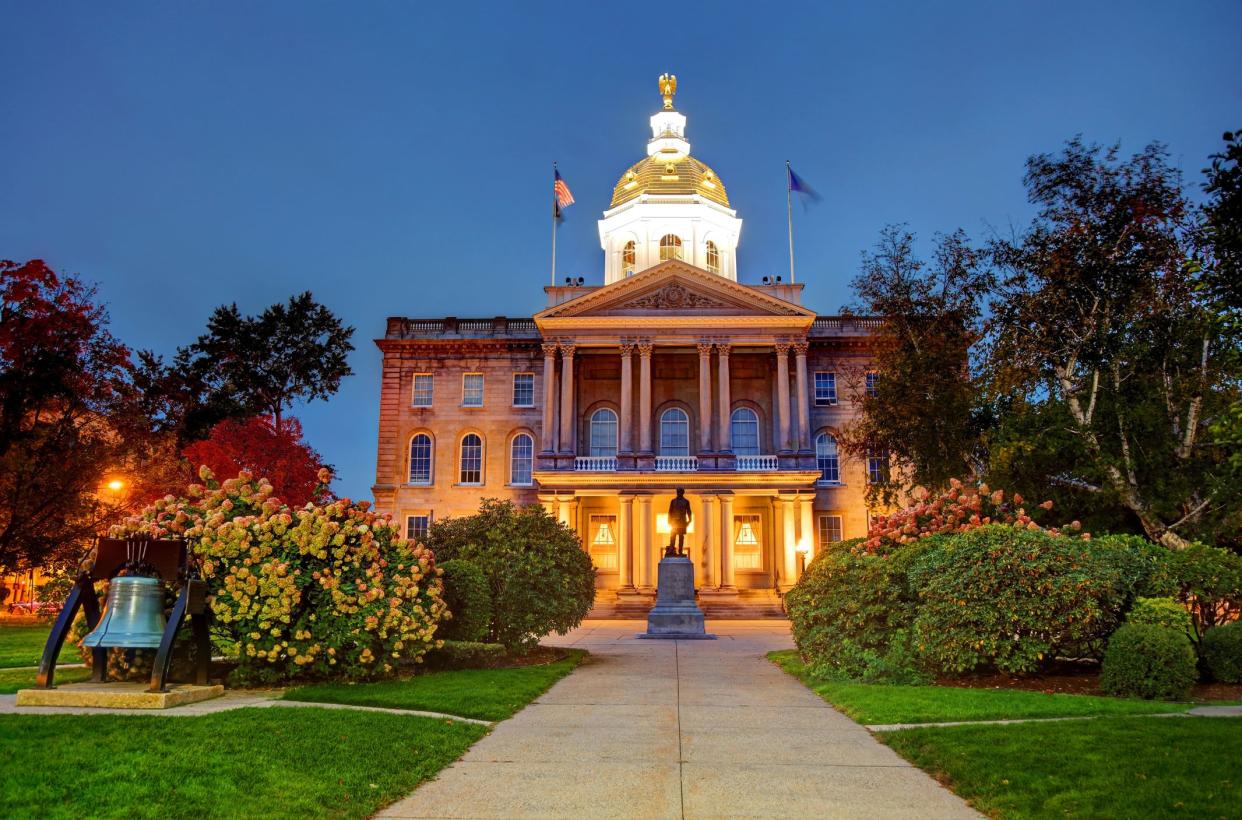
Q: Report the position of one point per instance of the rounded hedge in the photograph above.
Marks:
(1151, 662)
(1009, 598)
(1164, 612)
(1222, 652)
(851, 612)
(540, 578)
(468, 601)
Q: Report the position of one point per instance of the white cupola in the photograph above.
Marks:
(669, 206)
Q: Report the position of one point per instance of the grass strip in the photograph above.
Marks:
(487, 694)
(22, 645)
(251, 763)
(13, 679)
(874, 703)
(1112, 767)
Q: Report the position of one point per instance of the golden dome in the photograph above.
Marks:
(676, 174)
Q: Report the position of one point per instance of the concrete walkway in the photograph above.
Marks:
(680, 729)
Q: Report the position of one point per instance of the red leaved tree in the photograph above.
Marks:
(257, 445)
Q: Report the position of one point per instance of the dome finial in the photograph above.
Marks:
(668, 87)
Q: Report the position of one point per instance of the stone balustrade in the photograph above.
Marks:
(677, 464)
(595, 464)
(757, 463)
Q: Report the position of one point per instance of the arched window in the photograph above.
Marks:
(826, 459)
(603, 433)
(674, 432)
(471, 459)
(670, 247)
(628, 257)
(521, 459)
(420, 459)
(744, 432)
(713, 257)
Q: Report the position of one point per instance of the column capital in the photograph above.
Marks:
(567, 347)
(626, 499)
(782, 348)
(801, 347)
(723, 348)
(626, 347)
(705, 348)
(644, 348)
(549, 349)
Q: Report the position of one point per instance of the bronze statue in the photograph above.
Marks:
(679, 516)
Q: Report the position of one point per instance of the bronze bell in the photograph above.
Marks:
(133, 616)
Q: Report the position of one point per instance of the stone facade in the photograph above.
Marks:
(671, 338)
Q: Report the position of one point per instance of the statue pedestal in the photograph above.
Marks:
(675, 615)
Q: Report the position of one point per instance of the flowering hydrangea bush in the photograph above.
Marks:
(323, 591)
(960, 508)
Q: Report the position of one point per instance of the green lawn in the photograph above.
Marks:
(13, 679)
(245, 763)
(882, 703)
(1112, 767)
(488, 694)
(22, 645)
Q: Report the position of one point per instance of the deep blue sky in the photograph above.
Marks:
(395, 157)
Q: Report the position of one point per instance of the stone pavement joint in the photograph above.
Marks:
(680, 730)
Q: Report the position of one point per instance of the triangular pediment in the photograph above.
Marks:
(675, 289)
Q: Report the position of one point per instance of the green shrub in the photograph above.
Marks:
(1222, 652)
(540, 578)
(1150, 662)
(1164, 612)
(1207, 579)
(467, 655)
(1010, 598)
(852, 610)
(468, 601)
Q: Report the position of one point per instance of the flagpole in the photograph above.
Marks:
(553, 224)
(789, 215)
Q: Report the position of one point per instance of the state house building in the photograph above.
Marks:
(670, 374)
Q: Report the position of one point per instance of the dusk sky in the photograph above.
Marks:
(395, 158)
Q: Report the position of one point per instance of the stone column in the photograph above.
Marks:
(625, 543)
(726, 401)
(644, 527)
(565, 516)
(567, 399)
(549, 397)
(782, 398)
(803, 398)
(788, 542)
(807, 535)
(726, 541)
(644, 398)
(710, 539)
(705, 396)
(627, 399)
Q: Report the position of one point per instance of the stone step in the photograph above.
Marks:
(746, 604)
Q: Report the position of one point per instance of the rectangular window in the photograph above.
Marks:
(877, 466)
(523, 389)
(873, 385)
(472, 390)
(825, 389)
(747, 545)
(416, 526)
(422, 389)
(603, 547)
(829, 529)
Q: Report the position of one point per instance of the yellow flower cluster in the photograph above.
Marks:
(330, 590)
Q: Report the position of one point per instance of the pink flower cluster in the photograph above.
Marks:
(959, 508)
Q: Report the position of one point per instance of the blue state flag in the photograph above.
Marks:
(798, 185)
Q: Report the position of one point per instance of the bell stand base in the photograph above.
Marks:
(117, 695)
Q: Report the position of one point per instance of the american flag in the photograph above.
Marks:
(561, 191)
